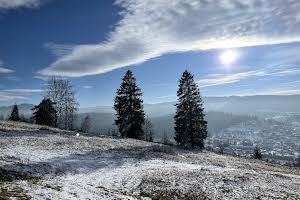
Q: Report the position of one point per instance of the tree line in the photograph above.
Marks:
(59, 107)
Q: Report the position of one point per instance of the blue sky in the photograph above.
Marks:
(94, 43)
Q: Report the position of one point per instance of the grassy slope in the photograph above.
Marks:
(39, 163)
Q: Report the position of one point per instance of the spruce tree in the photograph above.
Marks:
(257, 153)
(130, 116)
(190, 126)
(45, 113)
(14, 116)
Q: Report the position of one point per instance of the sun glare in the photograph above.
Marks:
(228, 57)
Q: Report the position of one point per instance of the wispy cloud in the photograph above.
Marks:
(4, 96)
(44, 78)
(222, 79)
(275, 91)
(23, 90)
(13, 78)
(151, 28)
(12, 4)
(87, 87)
(59, 50)
(165, 96)
(17, 94)
(5, 70)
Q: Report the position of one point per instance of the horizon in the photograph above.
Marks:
(166, 102)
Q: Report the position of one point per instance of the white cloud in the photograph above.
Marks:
(44, 78)
(150, 28)
(165, 96)
(13, 78)
(17, 94)
(5, 70)
(222, 79)
(87, 87)
(11, 4)
(24, 90)
(9, 97)
(59, 50)
(287, 90)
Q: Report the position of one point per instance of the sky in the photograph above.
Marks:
(233, 47)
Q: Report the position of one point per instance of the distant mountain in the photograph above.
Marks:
(217, 109)
(222, 112)
(158, 109)
(97, 109)
(24, 109)
(103, 123)
(261, 105)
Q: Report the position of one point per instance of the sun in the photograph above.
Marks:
(228, 57)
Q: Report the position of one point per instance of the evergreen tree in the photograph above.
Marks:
(298, 161)
(257, 153)
(190, 126)
(128, 104)
(14, 116)
(45, 113)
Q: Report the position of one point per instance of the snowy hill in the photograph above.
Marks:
(42, 163)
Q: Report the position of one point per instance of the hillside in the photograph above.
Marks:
(102, 122)
(260, 105)
(39, 163)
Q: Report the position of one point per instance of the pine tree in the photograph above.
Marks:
(190, 126)
(14, 116)
(257, 153)
(128, 104)
(45, 113)
(298, 161)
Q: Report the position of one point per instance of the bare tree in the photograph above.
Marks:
(86, 124)
(61, 92)
(148, 130)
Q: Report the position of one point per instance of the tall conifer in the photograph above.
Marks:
(190, 126)
(130, 115)
(14, 116)
(45, 113)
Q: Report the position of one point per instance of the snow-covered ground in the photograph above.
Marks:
(41, 163)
